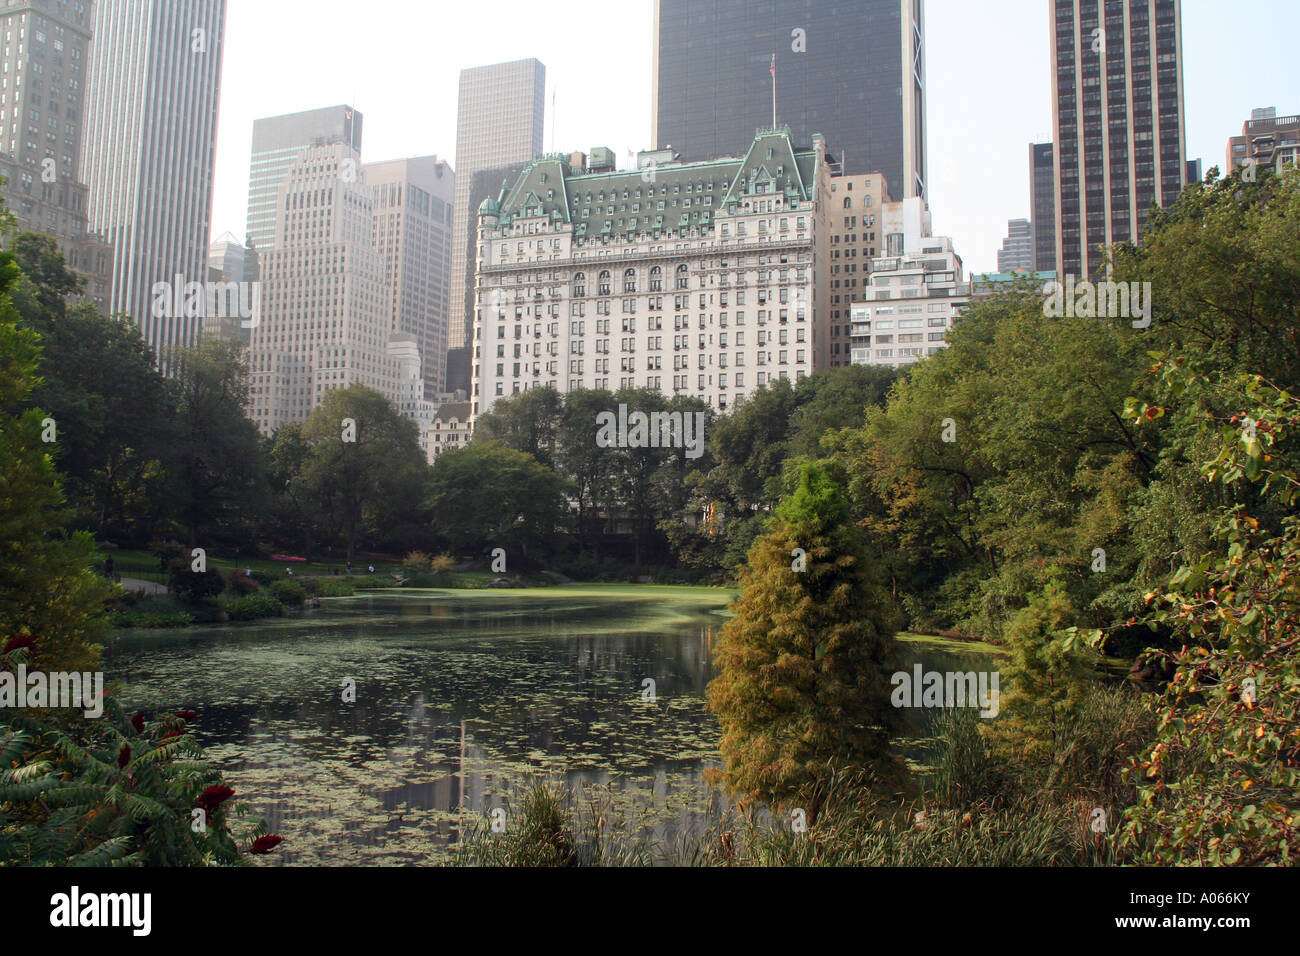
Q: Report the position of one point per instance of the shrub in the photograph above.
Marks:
(290, 593)
(541, 836)
(117, 791)
(192, 587)
(240, 583)
(254, 606)
(442, 564)
(335, 587)
(417, 561)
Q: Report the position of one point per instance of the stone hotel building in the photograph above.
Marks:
(702, 279)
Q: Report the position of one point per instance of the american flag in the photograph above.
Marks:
(774, 66)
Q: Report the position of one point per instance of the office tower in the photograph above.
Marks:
(325, 320)
(277, 141)
(854, 72)
(1117, 90)
(703, 279)
(412, 233)
(499, 121)
(45, 52)
(148, 152)
(855, 202)
(229, 262)
(1017, 252)
(1042, 198)
(1268, 140)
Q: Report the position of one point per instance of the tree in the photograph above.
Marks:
(592, 469)
(364, 466)
(803, 691)
(111, 408)
(214, 463)
(528, 422)
(1048, 677)
(488, 496)
(1219, 784)
(47, 588)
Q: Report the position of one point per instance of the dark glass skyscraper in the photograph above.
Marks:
(852, 70)
(1042, 194)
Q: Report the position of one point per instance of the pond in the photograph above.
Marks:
(460, 697)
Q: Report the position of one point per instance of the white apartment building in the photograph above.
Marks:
(703, 279)
(325, 320)
(910, 302)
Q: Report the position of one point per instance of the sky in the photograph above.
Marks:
(987, 75)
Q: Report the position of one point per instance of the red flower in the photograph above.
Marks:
(214, 797)
(124, 755)
(137, 722)
(186, 714)
(18, 641)
(266, 844)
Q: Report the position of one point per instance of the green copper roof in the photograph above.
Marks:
(674, 198)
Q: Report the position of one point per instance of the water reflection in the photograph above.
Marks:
(459, 699)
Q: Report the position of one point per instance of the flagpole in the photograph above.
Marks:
(774, 91)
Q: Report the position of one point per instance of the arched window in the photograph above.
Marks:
(682, 276)
(629, 280)
(602, 285)
(848, 202)
(656, 279)
(579, 285)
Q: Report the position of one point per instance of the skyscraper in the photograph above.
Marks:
(854, 72)
(1017, 252)
(45, 52)
(412, 233)
(148, 151)
(1117, 90)
(277, 141)
(499, 121)
(1042, 198)
(324, 320)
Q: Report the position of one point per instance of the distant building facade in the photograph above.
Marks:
(854, 203)
(412, 233)
(1017, 252)
(1120, 128)
(1268, 140)
(277, 141)
(325, 320)
(152, 89)
(910, 303)
(703, 279)
(228, 261)
(500, 117)
(46, 53)
(851, 71)
(1042, 199)
(450, 429)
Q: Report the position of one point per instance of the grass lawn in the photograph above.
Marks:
(134, 563)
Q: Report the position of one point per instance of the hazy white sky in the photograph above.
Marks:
(989, 85)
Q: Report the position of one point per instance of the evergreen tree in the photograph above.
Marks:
(1047, 677)
(805, 664)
